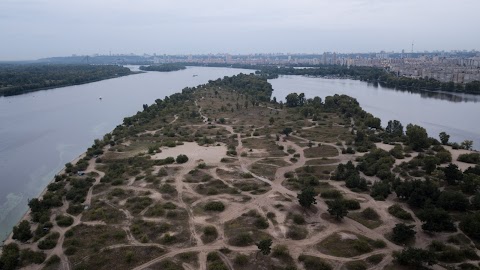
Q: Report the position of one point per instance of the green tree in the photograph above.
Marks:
(467, 144)
(444, 137)
(10, 257)
(181, 159)
(436, 220)
(271, 120)
(414, 257)
(22, 232)
(265, 246)
(307, 197)
(417, 137)
(337, 208)
(394, 128)
(287, 131)
(470, 225)
(402, 233)
(430, 164)
(452, 174)
(292, 100)
(453, 201)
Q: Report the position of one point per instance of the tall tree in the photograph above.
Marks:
(402, 233)
(444, 137)
(265, 246)
(337, 208)
(307, 197)
(417, 137)
(394, 128)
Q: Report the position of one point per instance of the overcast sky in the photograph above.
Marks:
(31, 29)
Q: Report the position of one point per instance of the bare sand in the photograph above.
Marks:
(195, 152)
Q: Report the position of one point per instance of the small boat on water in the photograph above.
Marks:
(100, 98)
(195, 75)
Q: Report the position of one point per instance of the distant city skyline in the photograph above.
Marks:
(33, 29)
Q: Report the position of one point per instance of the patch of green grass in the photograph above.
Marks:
(368, 218)
(347, 244)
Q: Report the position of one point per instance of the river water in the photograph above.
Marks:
(41, 131)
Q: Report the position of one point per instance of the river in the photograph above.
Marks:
(41, 131)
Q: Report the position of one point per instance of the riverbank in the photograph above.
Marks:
(55, 76)
(26, 216)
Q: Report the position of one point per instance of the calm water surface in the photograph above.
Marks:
(41, 131)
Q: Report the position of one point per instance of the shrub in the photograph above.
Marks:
(214, 206)
(331, 194)
(370, 214)
(261, 223)
(64, 221)
(297, 232)
(314, 263)
(241, 260)
(298, 219)
(241, 240)
(22, 232)
(398, 212)
(181, 159)
(49, 242)
(356, 265)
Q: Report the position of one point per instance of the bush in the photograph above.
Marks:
(181, 159)
(64, 221)
(210, 233)
(241, 260)
(314, 263)
(214, 206)
(49, 242)
(370, 214)
(356, 265)
(297, 232)
(22, 232)
(261, 223)
(352, 204)
(28, 256)
(241, 240)
(398, 212)
(473, 158)
(298, 219)
(331, 194)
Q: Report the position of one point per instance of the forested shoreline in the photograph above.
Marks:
(21, 79)
(163, 67)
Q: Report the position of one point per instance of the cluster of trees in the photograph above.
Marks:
(251, 85)
(20, 79)
(164, 67)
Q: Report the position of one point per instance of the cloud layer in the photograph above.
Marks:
(39, 28)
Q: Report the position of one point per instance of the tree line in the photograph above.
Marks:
(164, 67)
(21, 79)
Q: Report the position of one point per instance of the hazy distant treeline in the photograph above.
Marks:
(20, 79)
(163, 67)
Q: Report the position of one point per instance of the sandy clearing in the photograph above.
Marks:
(195, 152)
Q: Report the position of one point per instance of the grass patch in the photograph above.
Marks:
(347, 244)
(321, 151)
(368, 218)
